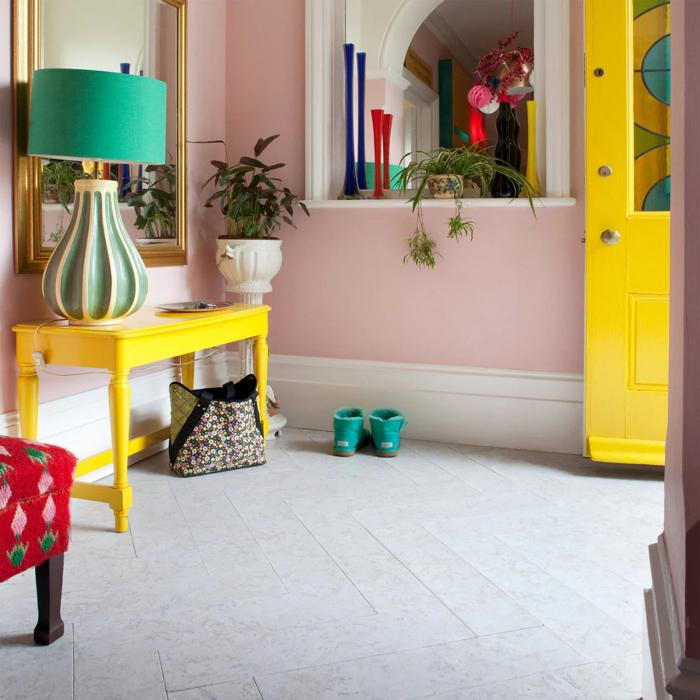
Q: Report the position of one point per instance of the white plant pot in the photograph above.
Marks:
(249, 265)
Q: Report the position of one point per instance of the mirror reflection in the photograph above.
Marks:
(139, 37)
(443, 56)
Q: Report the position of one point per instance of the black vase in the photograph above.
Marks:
(507, 151)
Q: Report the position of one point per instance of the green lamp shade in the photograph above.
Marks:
(97, 115)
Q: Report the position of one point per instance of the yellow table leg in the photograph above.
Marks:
(260, 359)
(119, 410)
(187, 369)
(28, 400)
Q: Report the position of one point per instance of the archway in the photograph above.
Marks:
(405, 22)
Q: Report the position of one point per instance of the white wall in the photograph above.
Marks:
(94, 34)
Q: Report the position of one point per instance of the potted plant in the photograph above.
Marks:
(57, 181)
(254, 205)
(155, 202)
(451, 173)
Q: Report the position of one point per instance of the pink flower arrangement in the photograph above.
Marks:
(505, 67)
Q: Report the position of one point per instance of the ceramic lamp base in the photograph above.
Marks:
(109, 323)
(95, 276)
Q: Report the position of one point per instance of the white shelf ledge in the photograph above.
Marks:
(480, 203)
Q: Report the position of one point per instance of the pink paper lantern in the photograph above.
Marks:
(491, 107)
(479, 96)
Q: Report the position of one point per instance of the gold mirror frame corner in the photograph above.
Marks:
(29, 254)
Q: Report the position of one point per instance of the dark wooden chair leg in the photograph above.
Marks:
(49, 586)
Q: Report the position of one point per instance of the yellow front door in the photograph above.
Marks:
(627, 229)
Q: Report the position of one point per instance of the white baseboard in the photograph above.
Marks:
(667, 672)
(499, 408)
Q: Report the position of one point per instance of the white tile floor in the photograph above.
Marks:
(448, 572)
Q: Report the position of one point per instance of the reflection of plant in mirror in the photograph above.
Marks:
(155, 201)
(469, 165)
(57, 181)
(251, 201)
(56, 235)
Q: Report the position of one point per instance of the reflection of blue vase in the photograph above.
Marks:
(350, 188)
(361, 73)
(124, 170)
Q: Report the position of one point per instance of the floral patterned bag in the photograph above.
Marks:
(213, 430)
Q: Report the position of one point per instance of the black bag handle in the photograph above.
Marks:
(230, 388)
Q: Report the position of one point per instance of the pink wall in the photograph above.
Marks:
(429, 48)
(682, 484)
(20, 295)
(512, 298)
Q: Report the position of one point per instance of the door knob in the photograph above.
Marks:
(610, 237)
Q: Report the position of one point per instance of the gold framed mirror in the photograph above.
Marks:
(146, 37)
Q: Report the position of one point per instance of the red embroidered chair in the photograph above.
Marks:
(35, 483)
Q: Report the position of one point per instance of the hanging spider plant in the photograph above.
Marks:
(463, 164)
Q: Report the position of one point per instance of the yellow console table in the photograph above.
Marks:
(147, 336)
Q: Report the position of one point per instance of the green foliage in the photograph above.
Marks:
(421, 249)
(58, 180)
(466, 162)
(458, 226)
(253, 203)
(156, 202)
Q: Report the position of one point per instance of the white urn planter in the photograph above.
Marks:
(249, 265)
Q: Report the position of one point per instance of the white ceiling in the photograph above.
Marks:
(477, 25)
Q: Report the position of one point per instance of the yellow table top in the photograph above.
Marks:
(146, 321)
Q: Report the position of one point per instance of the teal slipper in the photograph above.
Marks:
(386, 425)
(350, 433)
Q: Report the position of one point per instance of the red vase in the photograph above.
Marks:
(377, 121)
(477, 132)
(386, 137)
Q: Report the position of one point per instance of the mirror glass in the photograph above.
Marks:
(443, 55)
(422, 58)
(132, 36)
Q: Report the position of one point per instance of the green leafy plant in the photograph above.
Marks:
(58, 181)
(252, 202)
(421, 247)
(466, 163)
(155, 201)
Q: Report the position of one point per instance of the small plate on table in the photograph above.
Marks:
(196, 306)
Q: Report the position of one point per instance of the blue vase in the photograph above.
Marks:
(361, 161)
(124, 170)
(350, 188)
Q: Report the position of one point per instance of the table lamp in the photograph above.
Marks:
(95, 275)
